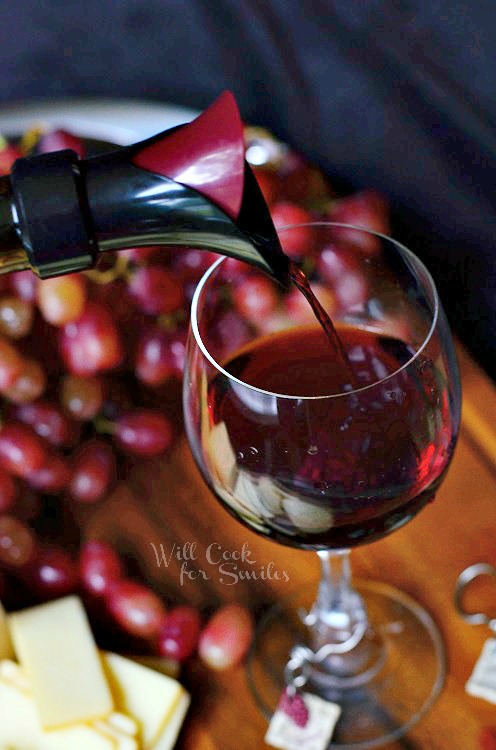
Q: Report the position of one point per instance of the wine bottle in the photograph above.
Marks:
(187, 187)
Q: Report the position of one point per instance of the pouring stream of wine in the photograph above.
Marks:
(303, 285)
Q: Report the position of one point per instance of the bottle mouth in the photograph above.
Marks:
(407, 254)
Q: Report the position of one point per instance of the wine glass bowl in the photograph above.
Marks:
(326, 449)
(285, 448)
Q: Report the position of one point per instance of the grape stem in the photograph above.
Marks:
(104, 426)
(119, 270)
(170, 321)
(30, 140)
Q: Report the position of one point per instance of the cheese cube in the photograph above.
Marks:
(78, 737)
(10, 671)
(6, 647)
(116, 727)
(150, 697)
(20, 727)
(159, 664)
(55, 646)
(123, 741)
(170, 732)
(123, 723)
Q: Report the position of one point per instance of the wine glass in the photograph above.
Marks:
(324, 455)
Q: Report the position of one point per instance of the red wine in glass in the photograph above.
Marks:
(347, 469)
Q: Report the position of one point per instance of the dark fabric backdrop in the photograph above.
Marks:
(396, 95)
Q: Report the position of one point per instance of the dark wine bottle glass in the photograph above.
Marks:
(325, 452)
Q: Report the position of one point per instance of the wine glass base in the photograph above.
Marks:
(383, 687)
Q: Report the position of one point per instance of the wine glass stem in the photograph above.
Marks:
(338, 615)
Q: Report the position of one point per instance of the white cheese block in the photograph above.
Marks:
(118, 727)
(159, 663)
(20, 727)
(6, 647)
(77, 737)
(123, 723)
(123, 741)
(170, 732)
(55, 645)
(10, 671)
(150, 697)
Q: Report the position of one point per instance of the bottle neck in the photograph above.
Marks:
(13, 256)
(58, 213)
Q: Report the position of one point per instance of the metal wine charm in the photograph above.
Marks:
(482, 681)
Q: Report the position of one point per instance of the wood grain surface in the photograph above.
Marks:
(166, 502)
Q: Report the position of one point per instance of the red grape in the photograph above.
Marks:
(189, 293)
(232, 331)
(28, 505)
(296, 242)
(269, 183)
(92, 343)
(278, 321)
(29, 385)
(17, 543)
(255, 298)
(160, 355)
(82, 397)
(190, 264)
(8, 155)
(52, 478)
(156, 290)
(118, 399)
(178, 637)
(94, 471)
(16, 317)
(226, 637)
(367, 209)
(352, 291)
(136, 609)
(62, 299)
(59, 140)
(302, 182)
(144, 432)
(48, 421)
(336, 260)
(115, 298)
(487, 738)
(25, 285)
(8, 490)
(299, 310)
(21, 450)
(11, 364)
(232, 269)
(340, 266)
(51, 573)
(99, 567)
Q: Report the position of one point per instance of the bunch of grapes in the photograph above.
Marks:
(85, 358)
